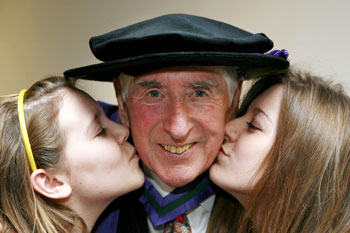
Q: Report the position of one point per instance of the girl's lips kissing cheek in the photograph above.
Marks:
(134, 155)
(222, 153)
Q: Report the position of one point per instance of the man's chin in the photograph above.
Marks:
(178, 180)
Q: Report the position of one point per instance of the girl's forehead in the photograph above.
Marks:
(270, 94)
(76, 108)
(269, 101)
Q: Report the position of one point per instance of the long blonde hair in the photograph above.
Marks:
(305, 186)
(21, 208)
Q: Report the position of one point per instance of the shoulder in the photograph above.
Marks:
(125, 214)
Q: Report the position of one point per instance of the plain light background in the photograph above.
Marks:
(43, 37)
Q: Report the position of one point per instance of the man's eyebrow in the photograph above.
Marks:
(202, 84)
(151, 83)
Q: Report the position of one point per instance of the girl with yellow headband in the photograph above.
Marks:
(62, 161)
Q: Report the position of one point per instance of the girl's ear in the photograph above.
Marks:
(49, 185)
(122, 111)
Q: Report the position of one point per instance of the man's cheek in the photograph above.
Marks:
(147, 113)
(142, 119)
(215, 125)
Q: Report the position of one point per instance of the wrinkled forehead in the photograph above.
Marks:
(183, 73)
(198, 68)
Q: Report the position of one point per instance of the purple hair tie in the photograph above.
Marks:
(279, 53)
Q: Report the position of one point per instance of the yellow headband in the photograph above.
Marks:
(24, 132)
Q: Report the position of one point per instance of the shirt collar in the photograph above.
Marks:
(158, 184)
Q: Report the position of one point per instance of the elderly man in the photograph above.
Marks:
(177, 79)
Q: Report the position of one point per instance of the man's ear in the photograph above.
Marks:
(50, 185)
(237, 95)
(235, 101)
(122, 111)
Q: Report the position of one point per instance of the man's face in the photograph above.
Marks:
(177, 117)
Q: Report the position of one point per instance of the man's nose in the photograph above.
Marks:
(178, 122)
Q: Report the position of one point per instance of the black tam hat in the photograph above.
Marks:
(179, 39)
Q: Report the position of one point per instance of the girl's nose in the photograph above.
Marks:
(121, 132)
(233, 128)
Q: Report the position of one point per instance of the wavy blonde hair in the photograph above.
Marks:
(305, 186)
(21, 208)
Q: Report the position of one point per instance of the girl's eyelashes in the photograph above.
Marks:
(102, 132)
(252, 126)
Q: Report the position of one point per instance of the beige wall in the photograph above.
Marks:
(42, 37)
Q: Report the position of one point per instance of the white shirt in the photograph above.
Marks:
(198, 217)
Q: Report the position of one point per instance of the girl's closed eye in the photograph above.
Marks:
(102, 132)
(252, 126)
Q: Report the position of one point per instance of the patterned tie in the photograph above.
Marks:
(178, 225)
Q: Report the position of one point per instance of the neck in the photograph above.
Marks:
(89, 211)
(258, 214)
(162, 208)
(242, 198)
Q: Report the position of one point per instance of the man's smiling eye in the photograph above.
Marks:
(252, 126)
(199, 93)
(154, 93)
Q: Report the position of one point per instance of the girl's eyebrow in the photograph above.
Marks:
(259, 110)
